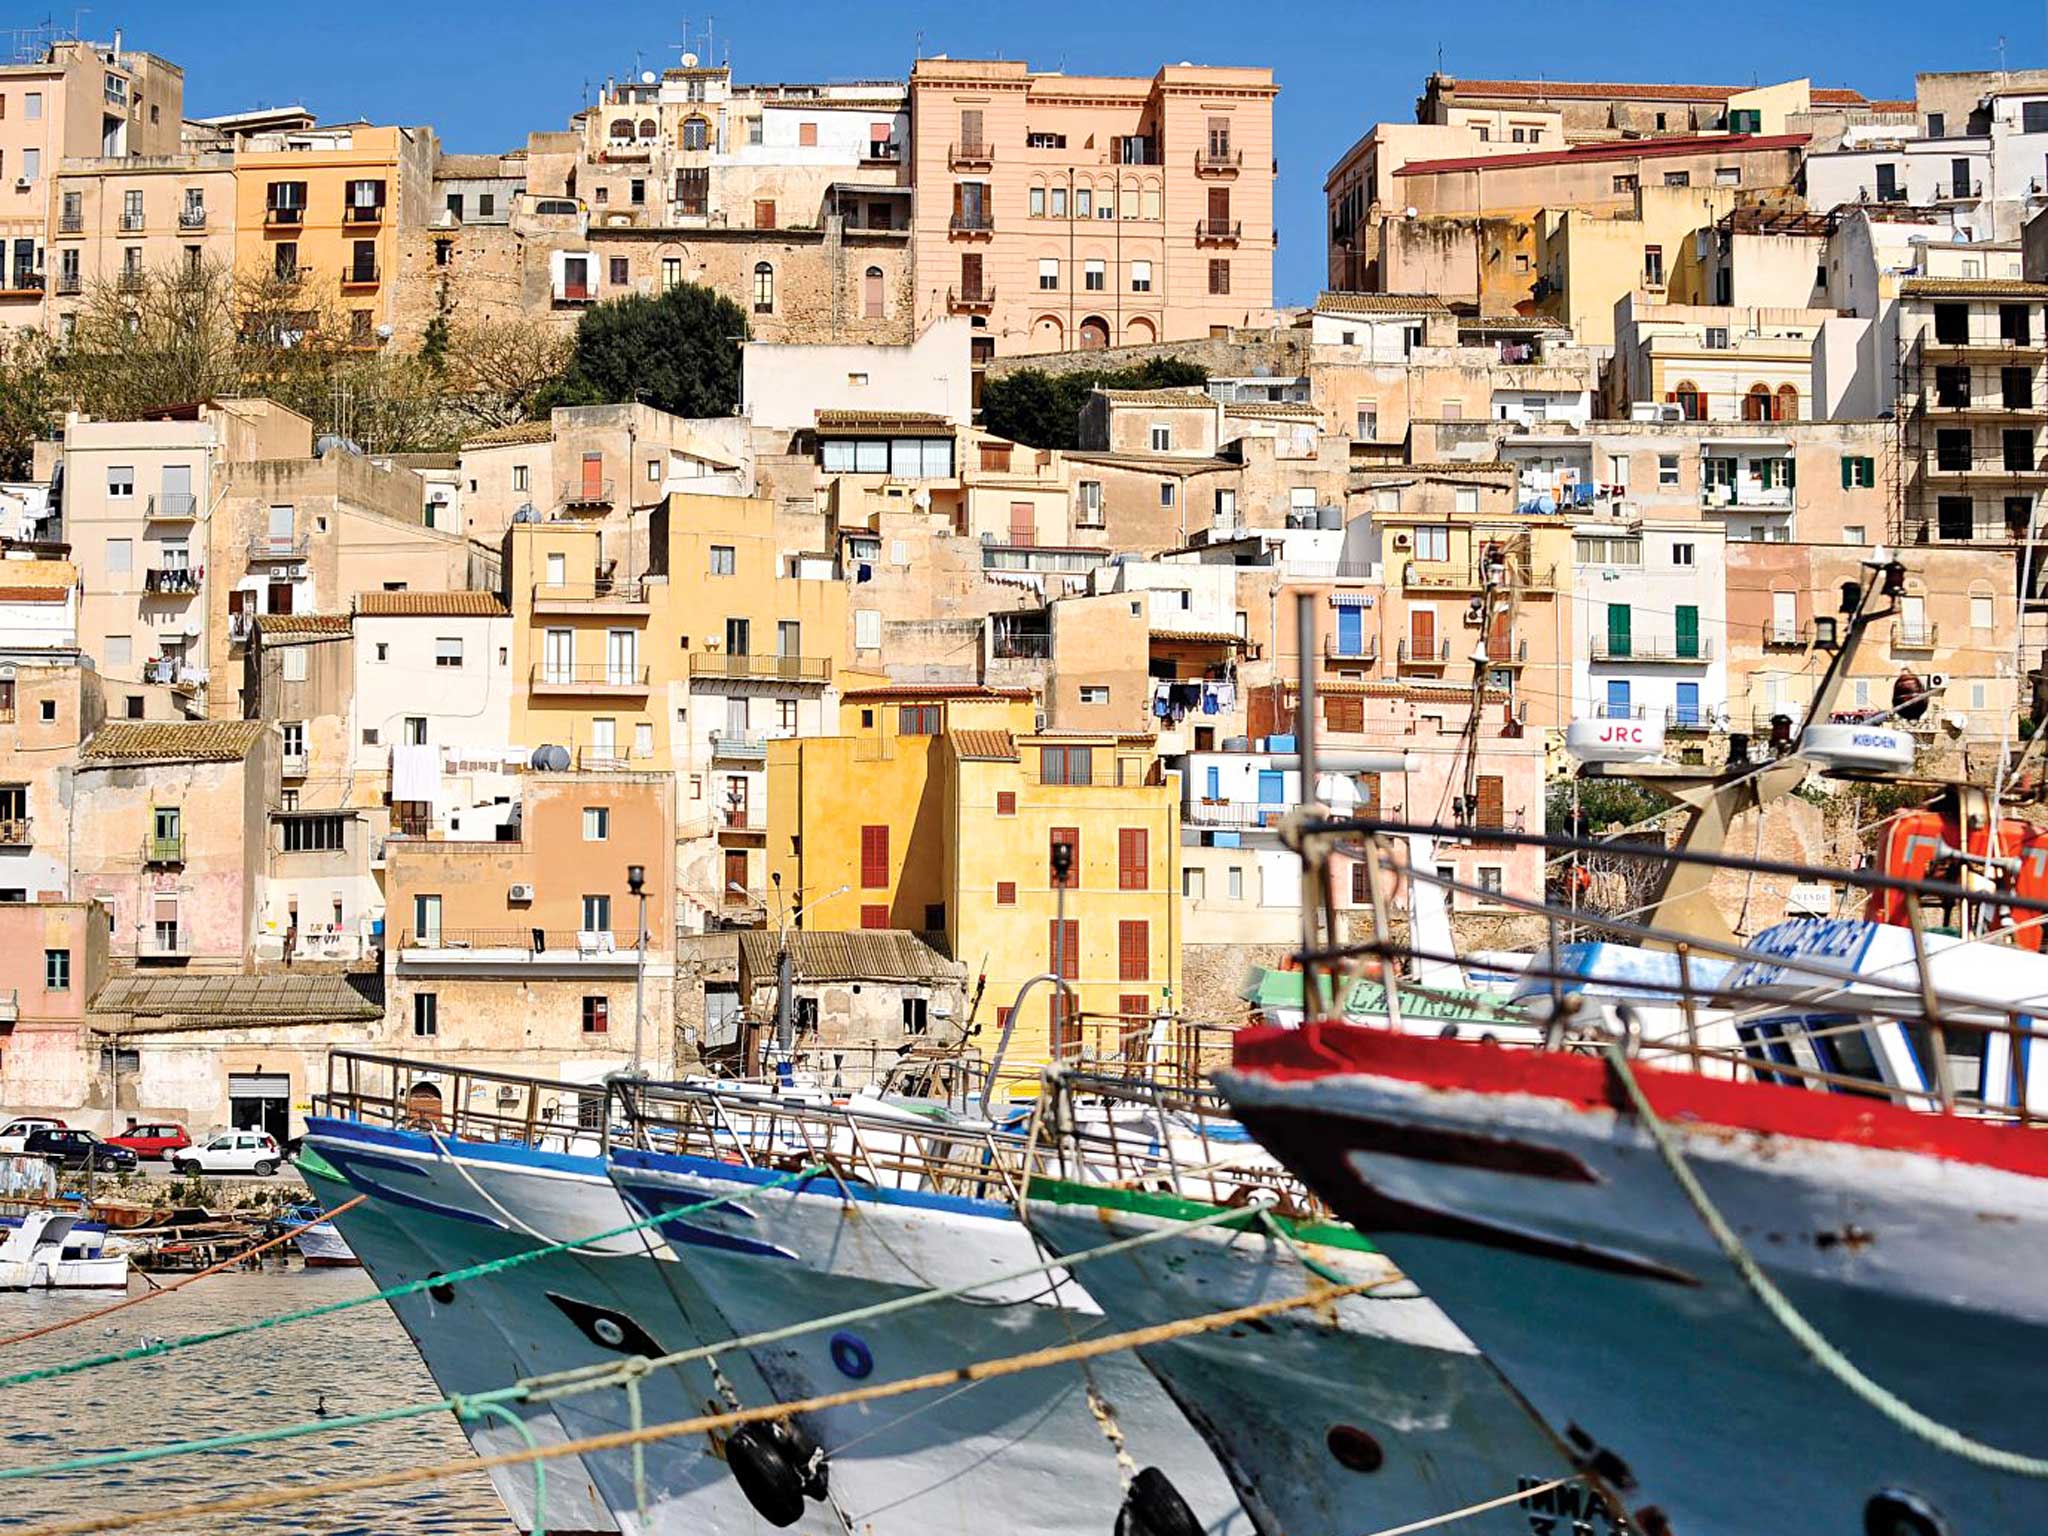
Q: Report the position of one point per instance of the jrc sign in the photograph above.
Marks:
(1615, 741)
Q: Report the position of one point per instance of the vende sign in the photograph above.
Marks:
(1615, 741)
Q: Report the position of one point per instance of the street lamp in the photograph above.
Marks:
(636, 882)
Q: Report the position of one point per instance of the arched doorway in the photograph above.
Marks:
(1788, 403)
(1094, 334)
(1140, 333)
(1047, 334)
(1688, 398)
(423, 1106)
(1756, 405)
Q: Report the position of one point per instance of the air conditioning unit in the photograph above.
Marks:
(22, 183)
(1401, 541)
(1936, 681)
(520, 893)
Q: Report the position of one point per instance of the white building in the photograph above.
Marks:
(785, 384)
(1651, 621)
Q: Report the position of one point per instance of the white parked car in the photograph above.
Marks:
(15, 1134)
(231, 1152)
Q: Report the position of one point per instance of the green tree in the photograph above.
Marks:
(30, 399)
(677, 351)
(1044, 409)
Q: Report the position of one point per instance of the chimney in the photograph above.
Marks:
(117, 45)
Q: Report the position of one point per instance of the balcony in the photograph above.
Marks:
(166, 944)
(740, 820)
(240, 627)
(1512, 571)
(71, 223)
(171, 581)
(361, 275)
(284, 218)
(882, 152)
(14, 832)
(563, 681)
(971, 301)
(1607, 710)
(739, 746)
(594, 493)
(1364, 649)
(607, 594)
(1983, 343)
(292, 765)
(1215, 162)
(1775, 498)
(625, 151)
(466, 949)
(163, 851)
(1783, 636)
(70, 284)
(1689, 653)
(1695, 720)
(363, 213)
(191, 218)
(611, 760)
(1958, 191)
(273, 546)
(1238, 815)
(1991, 467)
(21, 282)
(1507, 653)
(1218, 231)
(1425, 654)
(129, 280)
(131, 223)
(722, 666)
(1915, 637)
(971, 155)
(171, 507)
(576, 293)
(1020, 645)
(10, 1006)
(977, 223)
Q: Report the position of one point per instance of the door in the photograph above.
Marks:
(736, 800)
(1212, 783)
(1618, 624)
(1618, 707)
(1688, 703)
(1023, 527)
(593, 477)
(426, 921)
(177, 492)
(736, 893)
(1350, 631)
(280, 597)
(560, 663)
(558, 570)
(789, 638)
(1219, 210)
(1784, 617)
(1272, 788)
(1912, 619)
(1422, 634)
(737, 637)
(970, 130)
(735, 717)
(280, 528)
(1689, 631)
(260, 1101)
(604, 738)
(621, 658)
(970, 276)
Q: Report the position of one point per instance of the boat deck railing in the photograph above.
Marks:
(465, 1103)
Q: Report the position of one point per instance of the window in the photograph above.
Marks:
(867, 629)
(448, 651)
(2034, 117)
(917, 720)
(916, 1015)
(1489, 878)
(1161, 439)
(1235, 883)
(1070, 839)
(873, 301)
(597, 823)
(1133, 859)
(1059, 202)
(1048, 272)
(1717, 338)
(597, 914)
(415, 730)
(874, 857)
(1980, 611)
(1667, 470)
(57, 970)
(1432, 543)
(1006, 802)
(426, 1014)
(1653, 265)
(1063, 948)
(1141, 276)
(1133, 951)
(764, 288)
(1219, 276)
(1678, 178)
(597, 1015)
(1066, 765)
(724, 559)
(1194, 883)
(315, 834)
(1681, 554)
(1036, 202)
(874, 915)
(292, 664)
(1854, 533)
(1092, 275)
(120, 480)
(1094, 693)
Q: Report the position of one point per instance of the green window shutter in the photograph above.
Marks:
(1618, 627)
(1688, 630)
(1791, 474)
(1869, 471)
(1848, 472)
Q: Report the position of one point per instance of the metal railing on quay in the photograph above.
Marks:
(533, 940)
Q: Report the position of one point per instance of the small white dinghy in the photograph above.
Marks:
(47, 1250)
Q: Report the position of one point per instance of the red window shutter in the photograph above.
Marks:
(1133, 857)
(874, 916)
(1491, 813)
(1006, 893)
(874, 858)
(1134, 1005)
(1063, 939)
(1368, 794)
(1002, 1020)
(1343, 713)
(1133, 951)
(1006, 802)
(1071, 836)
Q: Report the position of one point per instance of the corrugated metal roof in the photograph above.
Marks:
(199, 741)
(877, 954)
(231, 1001)
(464, 604)
(985, 746)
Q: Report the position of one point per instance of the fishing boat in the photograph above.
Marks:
(58, 1250)
(1364, 1412)
(319, 1242)
(912, 1202)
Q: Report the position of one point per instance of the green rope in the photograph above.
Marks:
(410, 1288)
(1307, 1260)
(471, 1409)
(1823, 1354)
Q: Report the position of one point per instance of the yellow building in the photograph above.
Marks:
(323, 208)
(938, 809)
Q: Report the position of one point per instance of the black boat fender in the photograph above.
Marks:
(776, 1469)
(1153, 1507)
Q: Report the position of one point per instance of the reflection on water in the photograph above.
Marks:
(360, 1360)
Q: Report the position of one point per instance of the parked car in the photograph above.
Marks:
(72, 1149)
(231, 1152)
(160, 1140)
(15, 1134)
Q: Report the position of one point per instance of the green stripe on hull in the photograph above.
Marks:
(1165, 1207)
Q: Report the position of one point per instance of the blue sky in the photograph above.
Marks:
(484, 72)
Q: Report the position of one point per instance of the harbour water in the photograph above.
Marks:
(358, 1361)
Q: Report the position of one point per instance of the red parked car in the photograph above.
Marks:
(160, 1140)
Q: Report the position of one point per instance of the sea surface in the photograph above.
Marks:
(358, 1361)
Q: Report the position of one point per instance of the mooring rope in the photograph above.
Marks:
(1788, 1317)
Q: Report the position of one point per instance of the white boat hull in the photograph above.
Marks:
(1550, 1231)
(322, 1246)
(1028, 1445)
(1357, 1415)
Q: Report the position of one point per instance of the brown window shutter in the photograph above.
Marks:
(1342, 712)
(1361, 889)
(1134, 1005)
(1006, 802)
(1490, 813)
(1368, 794)
(874, 857)
(1065, 939)
(1133, 951)
(874, 916)
(1006, 893)
(1133, 856)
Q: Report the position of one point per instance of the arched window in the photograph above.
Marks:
(621, 130)
(1688, 397)
(648, 128)
(1788, 403)
(871, 293)
(696, 133)
(1757, 404)
(1094, 333)
(764, 288)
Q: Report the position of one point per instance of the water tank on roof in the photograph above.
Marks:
(1329, 519)
(551, 758)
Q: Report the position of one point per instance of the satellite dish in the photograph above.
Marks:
(551, 758)
(689, 61)
(647, 77)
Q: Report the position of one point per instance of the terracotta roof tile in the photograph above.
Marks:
(34, 594)
(465, 604)
(1331, 303)
(1613, 149)
(1289, 409)
(1966, 287)
(985, 746)
(1441, 467)
(857, 421)
(518, 432)
(1201, 636)
(229, 1002)
(1187, 399)
(303, 623)
(198, 741)
(886, 691)
(1583, 90)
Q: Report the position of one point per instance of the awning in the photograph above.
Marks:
(1352, 600)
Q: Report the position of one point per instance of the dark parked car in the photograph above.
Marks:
(71, 1149)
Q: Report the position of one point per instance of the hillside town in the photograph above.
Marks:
(960, 638)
